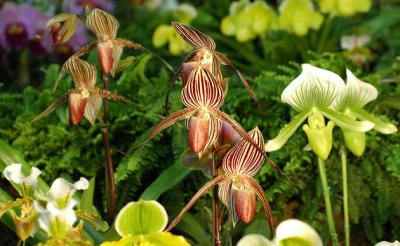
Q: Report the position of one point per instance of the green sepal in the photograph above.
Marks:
(320, 139)
(142, 217)
(286, 132)
(355, 141)
(380, 126)
(155, 239)
(295, 241)
(346, 122)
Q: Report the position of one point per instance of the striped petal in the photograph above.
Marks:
(76, 107)
(194, 37)
(244, 158)
(214, 128)
(82, 73)
(93, 107)
(224, 192)
(202, 90)
(186, 70)
(102, 24)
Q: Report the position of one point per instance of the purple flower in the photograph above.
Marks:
(78, 6)
(17, 25)
(41, 43)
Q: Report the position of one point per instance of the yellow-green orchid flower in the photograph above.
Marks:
(345, 7)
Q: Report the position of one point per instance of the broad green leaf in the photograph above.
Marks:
(346, 122)
(168, 179)
(142, 217)
(286, 132)
(380, 126)
(87, 197)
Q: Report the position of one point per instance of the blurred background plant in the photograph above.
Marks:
(270, 59)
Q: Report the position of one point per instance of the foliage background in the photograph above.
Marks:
(270, 62)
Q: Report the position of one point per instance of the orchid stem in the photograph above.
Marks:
(328, 206)
(110, 183)
(215, 212)
(343, 158)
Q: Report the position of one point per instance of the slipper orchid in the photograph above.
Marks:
(312, 94)
(203, 97)
(237, 188)
(351, 102)
(85, 99)
(204, 55)
(61, 191)
(28, 183)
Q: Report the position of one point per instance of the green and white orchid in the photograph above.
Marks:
(290, 232)
(61, 190)
(350, 103)
(312, 94)
(27, 184)
(385, 243)
(143, 223)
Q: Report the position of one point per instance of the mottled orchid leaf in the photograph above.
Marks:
(102, 24)
(286, 132)
(346, 122)
(238, 128)
(166, 122)
(202, 91)
(95, 221)
(245, 158)
(194, 37)
(380, 126)
(224, 60)
(192, 201)
(140, 218)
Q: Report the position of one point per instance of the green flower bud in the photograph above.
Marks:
(320, 139)
(355, 141)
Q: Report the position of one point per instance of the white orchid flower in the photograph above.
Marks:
(57, 222)
(312, 94)
(28, 183)
(354, 41)
(61, 190)
(385, 243)
(289, 232)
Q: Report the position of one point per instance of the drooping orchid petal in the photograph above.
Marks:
(61, 190)
(14, 173)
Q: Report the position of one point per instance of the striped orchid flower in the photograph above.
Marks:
(237, 188)
(203, 97)
(85, 99)
(205, 55)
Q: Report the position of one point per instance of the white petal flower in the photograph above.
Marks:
(56, 220)
(354, 41)
(254, 240)
(385, 243)
(14, 173)
(296, 229)
(61, 190)
(314, 87)
(356, 93)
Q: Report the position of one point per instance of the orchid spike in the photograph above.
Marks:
(85, 99)
(202, 97)
(28, 183)
(205, 55)
(237, 188)
(312, 94)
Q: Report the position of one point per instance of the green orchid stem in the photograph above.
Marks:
(328, 206)
(110, 182)
(343, 158)
(215, 211)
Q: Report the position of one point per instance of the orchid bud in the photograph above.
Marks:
(355, 141)
(319, 135)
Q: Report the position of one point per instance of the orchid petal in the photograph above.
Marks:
(77, 105)
(202, 90)
(314, 87)
(286, 132)
(254, 240)
(61, 190)
(102, 24)
(142, 217)
(380, 126)
(356, 94)
(386, 243)
(92, 108)
(346, 122)
(194, 37)
(244, 158)
(14, 173)
(214, 128)
(296, 232)
(243, 200)
(82, 73)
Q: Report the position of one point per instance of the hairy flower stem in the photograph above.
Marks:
(328, 206)
(343, 158)
(215, 212)
(110, 183)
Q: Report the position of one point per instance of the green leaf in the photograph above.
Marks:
(142, 217)
(286, 132)
(346, 122)
(87, 197)
(168, 179)
(380, 126)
